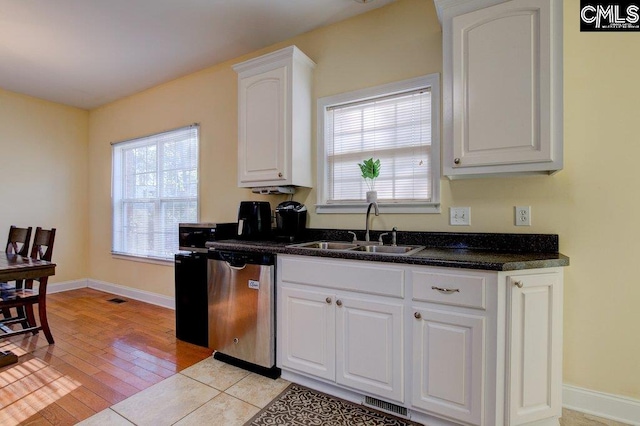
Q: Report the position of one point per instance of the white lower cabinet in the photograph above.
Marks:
(448, 361)
(347, 337)
(535, 347)
(452, 346)
(369, 346)
(306, 332)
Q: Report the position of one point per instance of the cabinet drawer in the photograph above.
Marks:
(364, 277)
(449, 289)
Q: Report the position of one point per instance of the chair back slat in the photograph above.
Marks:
(43, 244)
(18, 241)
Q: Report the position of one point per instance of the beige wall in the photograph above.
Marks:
(589, 203)
(43, 162)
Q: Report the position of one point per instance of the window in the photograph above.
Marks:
(397, 123)
(155, 187)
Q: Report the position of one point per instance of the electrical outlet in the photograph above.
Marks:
(459, 216)
(523, 215)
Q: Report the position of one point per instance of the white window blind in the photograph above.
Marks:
(397, 123)
(397, 129)
(155, 187)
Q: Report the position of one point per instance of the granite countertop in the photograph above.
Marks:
(494, 252)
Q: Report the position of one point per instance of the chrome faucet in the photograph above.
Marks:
(377, 213)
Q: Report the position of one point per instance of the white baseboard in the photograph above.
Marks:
(120, 290)
(608, 406)
(66, 286)
(132, 293)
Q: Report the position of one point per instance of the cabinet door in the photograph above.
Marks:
(448, 360)
(535, 347)
(369, 347)
(262, 127)
(506, 97)
(306, 332)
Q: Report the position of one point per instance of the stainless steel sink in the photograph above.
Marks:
(369, 247)
(397, 250)
(325, 245)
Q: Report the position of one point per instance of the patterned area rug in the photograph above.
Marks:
(300, 406)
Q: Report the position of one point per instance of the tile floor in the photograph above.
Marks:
(209, 392)
(214, 393)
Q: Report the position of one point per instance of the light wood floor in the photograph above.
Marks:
(104, 353)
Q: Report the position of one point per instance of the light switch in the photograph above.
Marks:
(460, 216)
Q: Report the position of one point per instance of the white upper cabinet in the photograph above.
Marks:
(502, 86)
(274, 119)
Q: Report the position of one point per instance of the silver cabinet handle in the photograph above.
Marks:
(328, 299)
(417, 315)
(518, 284)
(279, 174)
(456, 161)
(339, 302)
(446, 290)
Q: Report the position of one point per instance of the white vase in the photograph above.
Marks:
(372, 196)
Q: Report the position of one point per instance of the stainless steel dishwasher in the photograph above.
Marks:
(241, 293)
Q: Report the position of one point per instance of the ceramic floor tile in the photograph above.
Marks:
(166, 402)
(575, 418)
(257, 390)
(215, 373)
(223, 410)
(106, 417)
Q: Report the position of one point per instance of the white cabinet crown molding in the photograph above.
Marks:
(448, 8)
(269, 58)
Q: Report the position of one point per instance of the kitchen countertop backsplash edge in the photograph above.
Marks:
(484, 251)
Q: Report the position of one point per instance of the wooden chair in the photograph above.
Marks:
(17, 243)
(27, 297)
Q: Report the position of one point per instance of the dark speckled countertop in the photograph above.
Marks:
(494, 252)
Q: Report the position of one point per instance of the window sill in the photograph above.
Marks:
(385, 208)
(142, 259)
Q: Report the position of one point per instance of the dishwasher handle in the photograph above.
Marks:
(238, 259)
(236, 268)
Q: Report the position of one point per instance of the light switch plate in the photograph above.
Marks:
(460, 216)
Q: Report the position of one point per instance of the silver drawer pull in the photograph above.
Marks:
(446, 290)
(328, 300)
(417, 315)
(518, 284)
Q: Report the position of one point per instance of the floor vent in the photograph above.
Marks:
(385, 406)
(116, 300)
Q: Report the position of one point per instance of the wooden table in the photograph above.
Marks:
(14, 267)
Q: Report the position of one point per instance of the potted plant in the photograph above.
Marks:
(370, 171)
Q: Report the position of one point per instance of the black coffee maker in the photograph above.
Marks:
(254, 220)
(291, 220)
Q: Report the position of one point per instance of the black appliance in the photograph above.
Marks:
(193, 236)
(291, 219)
(191, 298)
(191, 279)
(254, 220)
